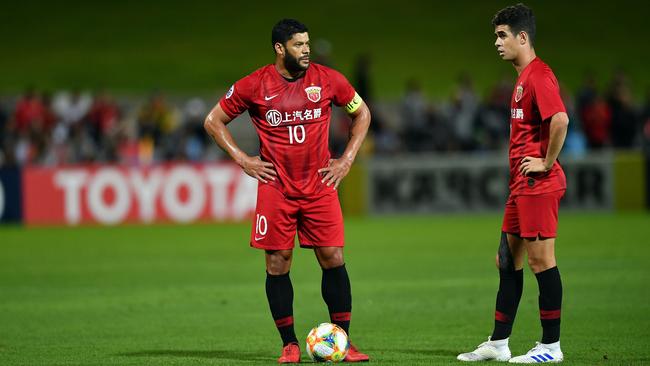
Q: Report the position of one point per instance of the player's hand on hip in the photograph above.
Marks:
(530, 164)
(258, 169)
(335, 171)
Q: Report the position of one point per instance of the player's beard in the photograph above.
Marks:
(293, 65)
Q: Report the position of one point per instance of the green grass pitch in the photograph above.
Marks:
(423, 290)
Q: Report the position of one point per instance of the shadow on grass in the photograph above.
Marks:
(216, 354)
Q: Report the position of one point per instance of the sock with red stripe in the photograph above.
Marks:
(550, 304)
(335, 287)
(279, 292)
(511, 284)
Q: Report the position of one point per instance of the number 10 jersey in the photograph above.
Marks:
(292, 119)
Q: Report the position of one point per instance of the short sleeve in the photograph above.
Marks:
(342, 91)
(547, 95)
(238, 98)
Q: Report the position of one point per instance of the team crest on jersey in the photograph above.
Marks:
(230, 91)
(313, 93)
(519, 93)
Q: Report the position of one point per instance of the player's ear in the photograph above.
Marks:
(279, 48)
(523, 38)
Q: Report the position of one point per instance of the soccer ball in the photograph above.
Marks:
(327, 343)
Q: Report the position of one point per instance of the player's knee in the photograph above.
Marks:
(278, 268)
(539, 264)
(330, 258)
(278, 262)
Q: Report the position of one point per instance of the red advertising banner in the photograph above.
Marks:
(112, 195)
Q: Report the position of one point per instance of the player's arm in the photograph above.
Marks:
(215, 125)
(557, 133)
(339, 168)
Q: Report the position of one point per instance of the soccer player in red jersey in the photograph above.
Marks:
(290, 104)
(538, 127)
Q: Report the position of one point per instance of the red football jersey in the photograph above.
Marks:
(292, 119)
(535, 100)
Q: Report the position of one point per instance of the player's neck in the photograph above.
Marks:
(282, 70)
(525, 58)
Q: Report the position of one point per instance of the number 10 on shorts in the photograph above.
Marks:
(260, 225)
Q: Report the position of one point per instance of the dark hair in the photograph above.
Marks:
(519, 18)
(285, 29)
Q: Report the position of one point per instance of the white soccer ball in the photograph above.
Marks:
(327, 343)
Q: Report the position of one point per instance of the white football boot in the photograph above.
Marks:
(541, 353)
(486, 351)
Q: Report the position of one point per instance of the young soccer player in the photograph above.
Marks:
(538, 127)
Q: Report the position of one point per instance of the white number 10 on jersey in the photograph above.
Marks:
(297, 134)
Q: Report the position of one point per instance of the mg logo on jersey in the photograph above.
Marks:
(273, 117)
(313, 93)
(520, 93)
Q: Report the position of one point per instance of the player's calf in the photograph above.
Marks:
(511, 283)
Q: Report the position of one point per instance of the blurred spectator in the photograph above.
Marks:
(4, 122)
(156, 120)
(385, 140)
(29, 111)
(71, 108)
(624, 120)
(596, 119)
(33, 120)
(441, 132)
(193, 138)
(102, 117)
(575, 143)
(494, 116)
(587, 93)
(49, 117)
(463, 113)
(415, 121)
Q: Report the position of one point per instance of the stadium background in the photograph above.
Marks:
(422, 274)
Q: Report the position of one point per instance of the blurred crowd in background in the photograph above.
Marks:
(69, 127)
(469, 122)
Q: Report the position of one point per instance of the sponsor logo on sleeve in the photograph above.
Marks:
(230, 91)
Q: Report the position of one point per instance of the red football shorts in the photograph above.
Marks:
(318, 220)
(533, 216)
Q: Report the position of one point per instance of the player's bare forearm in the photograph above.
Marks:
(215, 125)
(358, 132)
(557, 133)
(337, 169)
